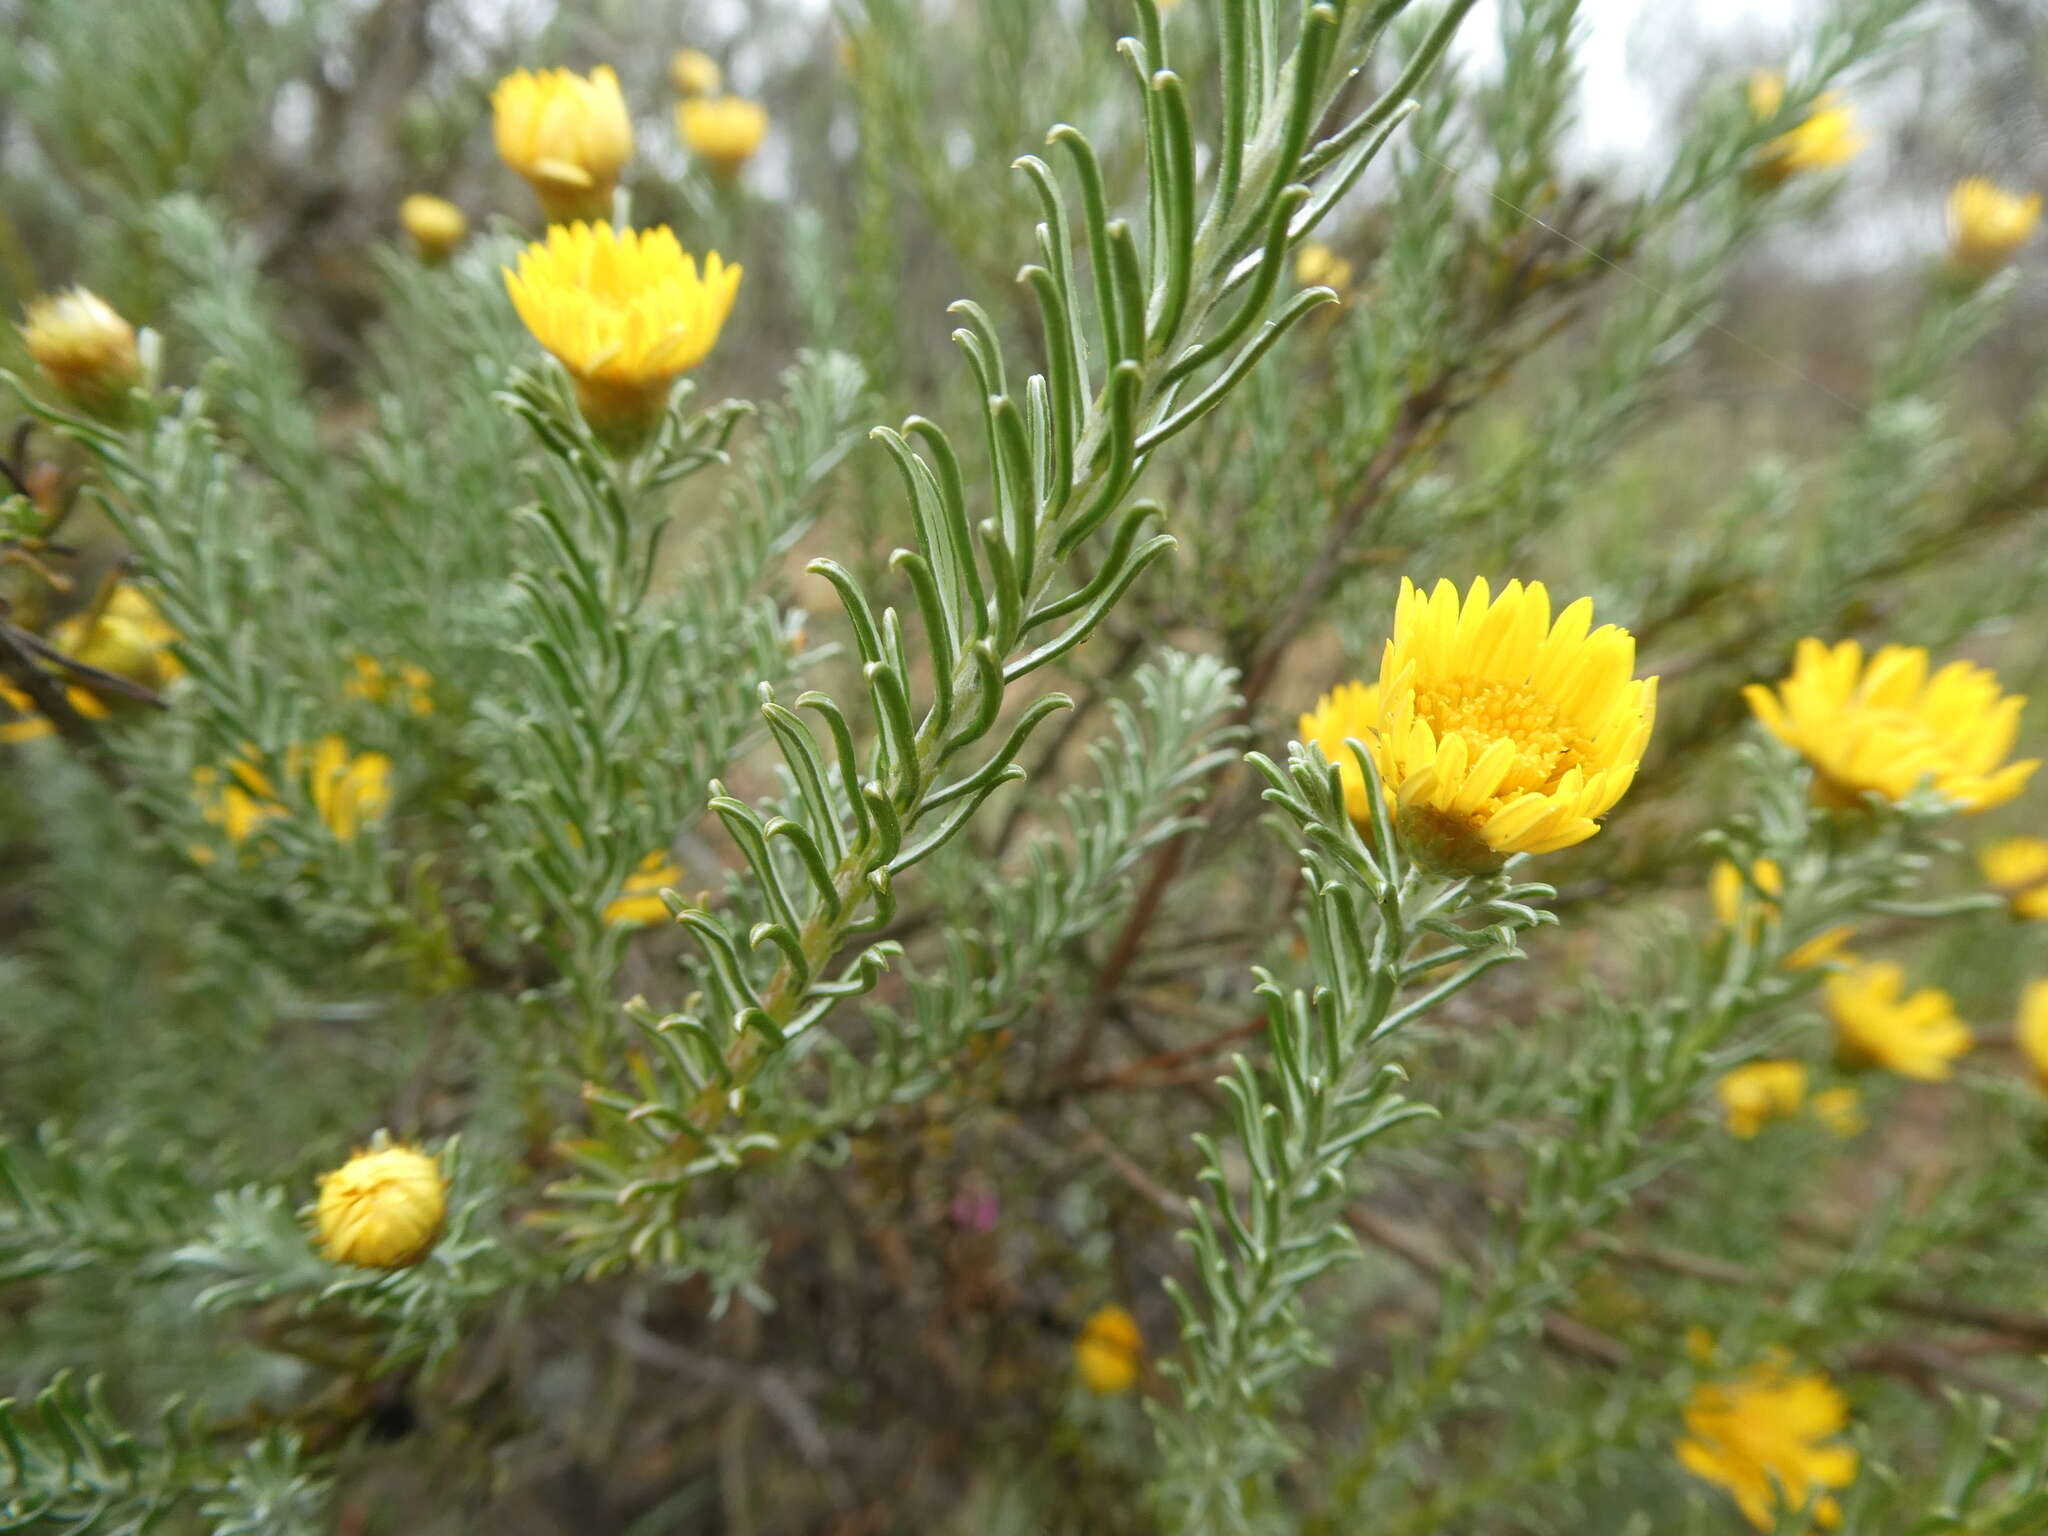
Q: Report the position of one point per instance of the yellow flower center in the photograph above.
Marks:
(1547, 744)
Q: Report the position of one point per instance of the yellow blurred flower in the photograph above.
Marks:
(639, 902)
(1765, 1435)
(371, 681)
(1877, 1026)
(1315, 264)
(1761, 1091)
(1840, 1110)
(1109, 1351)
(1987, 224)
(1889, 728)
(1828, 138)
(348, 792)
(2017, 868)
(2032, 1030)
(238, 802)
(436, 225)
(1733, 896)
(30, 727)
(1349, 711)
(722, 131)
(626, 311)
(1822, 949)
(695, 73)
(568, 134)
(382, 1209)
(84, 348)
(1501, 732)
(125, 635)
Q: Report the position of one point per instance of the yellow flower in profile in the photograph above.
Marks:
(722, 131)
(1987, 224)
(348, 792)
(1316, 265)
(1109, 1351)
(1840, 1110)
(1500, 731)
(2032, 1030)
(84, 348)
(639, 902)
(1766, 1435)
(2017, 868)
(568, 134)
(1350, 711)
(626, 311)
(1890, 728)
(1761, 1091)
(436, 225)
(1876, 1026)
(382, 1209)
(1828, 138)
(694, 73)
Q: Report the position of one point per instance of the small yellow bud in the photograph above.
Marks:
(695, 73)
(83, 347)
(1827, 138)
(1987, 225)
(1316, 265)
(436, 225)
(569, 135)
(382, 1209)
(722, 131)
(1109, 1351)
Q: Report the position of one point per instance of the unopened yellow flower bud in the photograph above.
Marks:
(382, 1209)
(1987, 225)
(695, 73)
(84, 348)
(436, 225)
(1109, 1351)
(1827, 138)
(569, 135)
(722, 131)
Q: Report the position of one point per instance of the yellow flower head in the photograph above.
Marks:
(2018, 869)
(626, 311)
(1889, 728)
(1876, 1026)
(382, 1209)
(1315, 264)
(1109, 1351)
(1824, 948)
(1764, 1436)
(639, 902)
(127, 635)
(1350, 711)
(372, 682)
(347, 792)
(1987, 224)
(722, 131)
(1761, 1091)
(83, 347)
(436, 225)
(1840, 1110)
(238, 803)
(1732, 896)
(1828, 138)
(1500, 731)
(2032, 1032)
(695, 73)
(567, 134)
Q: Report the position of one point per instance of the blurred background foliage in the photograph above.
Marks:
(1579, 341)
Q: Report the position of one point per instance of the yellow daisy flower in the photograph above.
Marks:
(239, 802)
(382, 1209)
(1889, 727)
(626, 311)
(1766, 1435)
(1350, 711)
(84, 348)
(1109, 1352)
(722, 131)
(348, 792)
(695, 73)
(1733, 896)
(2032, 1031)
(1761, 1091)
(1987, 224)
(2018, 869)
(568, 134)
(1501, 732)
(1828, 138)
(639, 902)
(436, 226)
(1875, 1026)
(1840, 1110)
